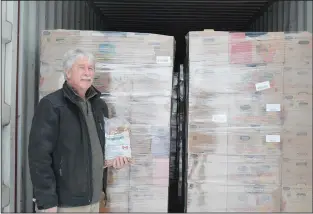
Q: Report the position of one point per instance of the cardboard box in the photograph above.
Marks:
(208, 78)
(298, 109)
(206, 197)
(216, 117)
(118, 177)
(297, 142)
(207, 168)
(117, 198)
(141, 170)
(113, 82)
(144, 198)
(154, 140)
(248, 111)
(253, 170)
(209, 108)
(143, 106)
(297, 199)
(264, 79)
(298, 49)
(153, 80)
(253, 198)
(256, 47)
(50, 80)
(296, 172)
(146, 170)
(297, 80)
(298, 118)
(140, 139)
(208, 47)
(250, 78)
(208, 142)
(254, 141)
(118, 105)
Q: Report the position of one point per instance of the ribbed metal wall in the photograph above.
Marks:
(8, 104)
(285, 16)
(35, 16)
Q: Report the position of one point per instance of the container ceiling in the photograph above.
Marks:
(170, 16)
(178, 17)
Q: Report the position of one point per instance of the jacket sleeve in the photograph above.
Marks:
(42, 140)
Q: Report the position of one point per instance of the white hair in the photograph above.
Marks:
(71, 56)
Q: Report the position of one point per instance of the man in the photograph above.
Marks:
(66, 142)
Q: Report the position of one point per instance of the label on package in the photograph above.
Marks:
(117, 145)
(163, 59)
(272, 138)
(219, 118)
(273, 107)
(262, 86)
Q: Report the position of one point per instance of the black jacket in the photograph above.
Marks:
(59, 149)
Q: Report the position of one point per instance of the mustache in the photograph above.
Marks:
(86, 78)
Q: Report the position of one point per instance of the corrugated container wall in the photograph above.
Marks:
(23, 21)
(8, 104)
(285, 16)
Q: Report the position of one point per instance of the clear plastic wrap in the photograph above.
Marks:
(134, 73)
(250, 121)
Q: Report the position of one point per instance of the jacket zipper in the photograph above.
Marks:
(61, 163)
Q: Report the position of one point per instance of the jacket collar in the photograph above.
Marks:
(70, 93)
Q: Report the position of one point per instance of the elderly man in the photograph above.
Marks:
(66, 143)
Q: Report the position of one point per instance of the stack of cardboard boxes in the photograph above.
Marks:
(134, 73)
(239, 142)
(297, 129)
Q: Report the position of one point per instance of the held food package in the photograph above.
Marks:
(117, 140)
(249, 122)
(134, 73)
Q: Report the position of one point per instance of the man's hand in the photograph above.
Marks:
(117, 163)
(120, 162)
(50, 210)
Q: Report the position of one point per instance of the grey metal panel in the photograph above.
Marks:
(9, 25)
(308, 15)
(261, 23)
(36, 16)
(287, 16)
(293, 16)
(275, 17)
(280, 7)
(301, 19)
(286, 19)
(270, 19)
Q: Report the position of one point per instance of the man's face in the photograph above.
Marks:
(81, 75)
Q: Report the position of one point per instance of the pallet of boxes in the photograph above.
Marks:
(136, 81)
(246, 150)
(297, 129)
(134, 74)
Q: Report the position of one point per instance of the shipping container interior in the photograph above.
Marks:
(22, 22)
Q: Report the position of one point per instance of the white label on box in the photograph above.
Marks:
(117, 145)
(219, 118)
(273, 107)
(163, 59)
(262, 86)
(272, 138)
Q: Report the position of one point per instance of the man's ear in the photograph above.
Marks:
(68, 73)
